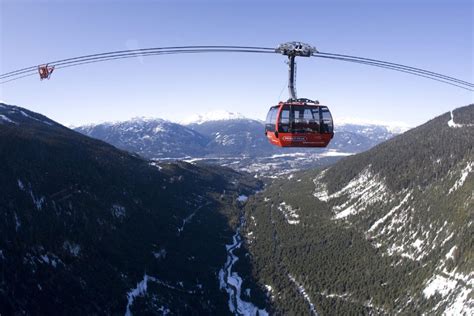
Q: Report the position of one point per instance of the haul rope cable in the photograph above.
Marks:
(94, 58)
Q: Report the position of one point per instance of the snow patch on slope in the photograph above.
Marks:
(37, 201)
(290, 214)
(4, 118)
(452, 124)
(224, 140)
(118, 211)
(142, 288)
(73, 248)
(390, 213)
(363, 190)
(464, 173)
(34, 118)
(139, 290)
(455, 290)
(303, 292)
(242, 198)
(439, 284)
(188, 218)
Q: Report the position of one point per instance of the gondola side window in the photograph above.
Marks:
(327, 125)
(307, 120)
(271, 119)
(284, 123)
(314, 119)
(302, 120)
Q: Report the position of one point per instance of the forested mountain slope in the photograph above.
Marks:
(386, 231)
(88, 229)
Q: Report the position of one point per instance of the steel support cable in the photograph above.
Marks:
(139, 50)
(400, 70)
(397, 65)
(84, 62)
(124, 56)
(16, 78)
(412, 72)
(178, 51)
(133, 53)
(25, 72)
(143, 53)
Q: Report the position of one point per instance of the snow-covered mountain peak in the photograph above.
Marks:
(218, 115)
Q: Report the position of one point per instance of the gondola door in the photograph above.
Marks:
(271, 125)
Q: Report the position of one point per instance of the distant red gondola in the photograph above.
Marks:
(299, 123)
(45, 71)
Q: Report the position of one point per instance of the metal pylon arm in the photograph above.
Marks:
(293, 49)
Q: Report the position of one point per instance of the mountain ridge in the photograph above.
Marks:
(238, 143)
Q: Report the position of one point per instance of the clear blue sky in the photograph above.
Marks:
(436, 35)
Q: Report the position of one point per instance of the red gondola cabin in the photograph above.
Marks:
(45, 71)
(299, 123)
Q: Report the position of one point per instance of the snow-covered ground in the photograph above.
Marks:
(363, 190)
(303, 292)
(291, 216)
(141, 290)
(38, 200)
(188, 218)
(455, 290)
(453, 124)
(6, 119)
(464, 174)
(390, 213)
(242, 198)
(396, 213)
